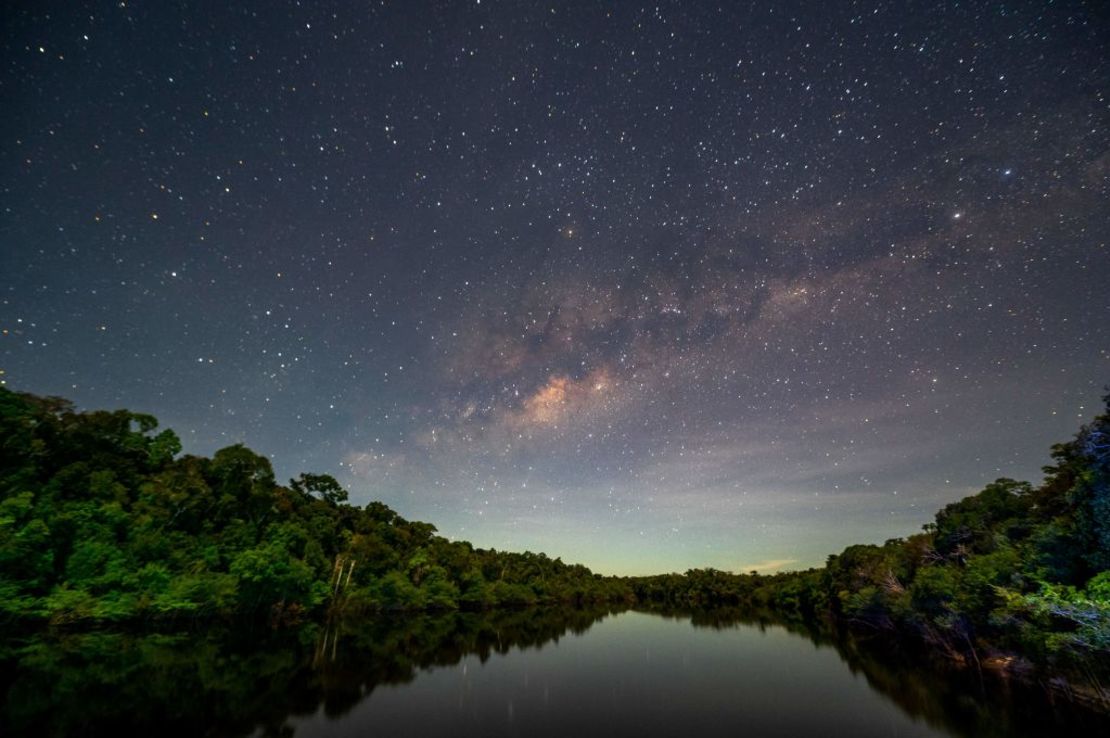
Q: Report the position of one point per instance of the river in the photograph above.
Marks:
(522, 673)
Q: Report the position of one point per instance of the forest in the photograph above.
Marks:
(102, 519)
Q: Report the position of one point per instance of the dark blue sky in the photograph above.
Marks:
(642, 286)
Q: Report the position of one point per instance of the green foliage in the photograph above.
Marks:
(100, 519)
(978, 523)
(1067, 624)
(326, 487)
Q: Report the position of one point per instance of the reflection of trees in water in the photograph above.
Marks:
(960, 701)
(225, 681)
(393, 650)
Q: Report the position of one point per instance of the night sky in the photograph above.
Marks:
(646, 287)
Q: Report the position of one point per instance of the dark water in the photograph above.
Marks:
(515, 673)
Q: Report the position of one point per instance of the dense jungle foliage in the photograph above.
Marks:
(100, 519)
(1013, 569)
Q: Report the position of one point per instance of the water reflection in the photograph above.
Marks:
(228, 681)
(955, 701)
(561, 672)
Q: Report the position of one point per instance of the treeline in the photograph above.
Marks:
(1013, 569)
(101, 519)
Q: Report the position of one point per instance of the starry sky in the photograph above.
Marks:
(644, 286)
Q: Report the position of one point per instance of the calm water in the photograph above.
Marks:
(519, 673)
(636, 674)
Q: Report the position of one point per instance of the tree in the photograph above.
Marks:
(328, 489)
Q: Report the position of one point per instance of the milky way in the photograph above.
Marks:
(646, 287)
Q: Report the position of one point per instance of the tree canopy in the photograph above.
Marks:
(102, 519)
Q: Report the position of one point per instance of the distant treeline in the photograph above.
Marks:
(102, 519)
(1014, 569)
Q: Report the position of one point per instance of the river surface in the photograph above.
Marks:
(522, 673)
(637, 675)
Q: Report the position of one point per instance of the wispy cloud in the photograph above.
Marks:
(765, 567)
